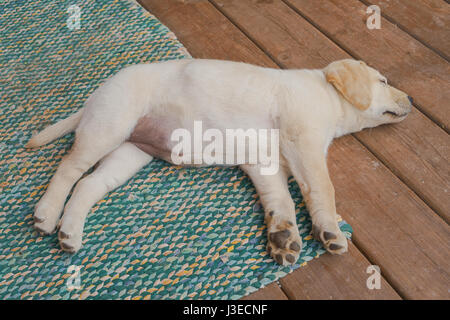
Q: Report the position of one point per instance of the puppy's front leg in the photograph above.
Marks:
(284, 241)
(307, 161)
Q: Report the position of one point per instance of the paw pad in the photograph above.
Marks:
(284, 245)
(280, 238)
(334, 241)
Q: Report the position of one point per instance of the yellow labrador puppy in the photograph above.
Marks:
(131, 118)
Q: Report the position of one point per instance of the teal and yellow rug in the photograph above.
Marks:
(169, 233)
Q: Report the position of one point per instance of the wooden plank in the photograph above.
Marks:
(290, 40)
(174, 15)
(418, 151)
(427, 20)
(314, 281)
(277, 19)
(271, 292)
(205, 32)
(408, 64)
(392, 226)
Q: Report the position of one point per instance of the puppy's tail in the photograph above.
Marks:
(55, 130)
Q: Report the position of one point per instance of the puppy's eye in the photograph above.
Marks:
(390, 113)
(383, 81)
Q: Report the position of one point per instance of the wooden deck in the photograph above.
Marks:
(392, 183)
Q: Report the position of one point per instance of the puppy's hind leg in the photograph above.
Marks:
(91, 144)
(113, 170)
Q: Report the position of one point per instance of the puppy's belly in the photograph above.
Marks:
(152, 135)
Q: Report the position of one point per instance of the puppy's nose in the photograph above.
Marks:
(410, 99)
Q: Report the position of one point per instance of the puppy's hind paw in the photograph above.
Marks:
(68, 242)
(42, 226)
(45, 218)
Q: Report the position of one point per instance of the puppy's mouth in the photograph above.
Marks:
(395, 114)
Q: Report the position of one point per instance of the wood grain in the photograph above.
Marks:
(392, 226)
(205, 32)
(418, 152)
(271, 292)
(427, 20)
(316, 280)
(408, 64)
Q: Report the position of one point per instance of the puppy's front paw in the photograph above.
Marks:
(332, 239)
(284, 242)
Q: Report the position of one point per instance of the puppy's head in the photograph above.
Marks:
(367, 90)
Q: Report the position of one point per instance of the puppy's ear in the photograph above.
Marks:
(351, 78)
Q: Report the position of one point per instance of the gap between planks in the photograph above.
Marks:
(439, 50)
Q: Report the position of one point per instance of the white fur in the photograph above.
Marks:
(302, 104)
